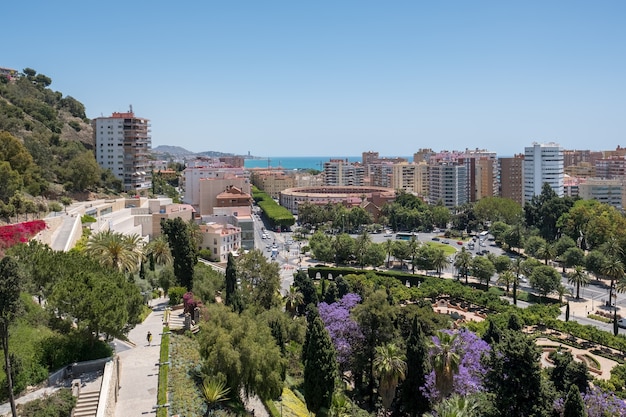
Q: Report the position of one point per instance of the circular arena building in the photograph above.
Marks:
(350, 196)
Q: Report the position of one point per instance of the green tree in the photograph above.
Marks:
(574, 405)
(83, 172)
(545, 279)
(260, 278)
(375, 317)
(483, 269)
(507, 278)
(233, 297)
(614, 269)
(343, 245)
(388, 250)
(184, 249)
(320, 368)
(361, 246)
(463, 262)
(514, 376)
(9, 306)
(322, 247)
(533, 245)
(390, 369)
(417, 366)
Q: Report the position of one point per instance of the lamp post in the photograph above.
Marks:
(281, 405)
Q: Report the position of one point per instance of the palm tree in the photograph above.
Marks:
(463, 262)
(440, 261)
(160, 251)
(507, 278)
(293, 299)
(454, 406)
(116, 250)
(445, 362)
(561, 290)
(546, 252)
(388, 248)
(414, 245)
(614, 269)
(578, 277)
(362, 242)
(517, 268)
(390, 369)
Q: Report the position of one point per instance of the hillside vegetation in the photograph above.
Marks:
(46, 145)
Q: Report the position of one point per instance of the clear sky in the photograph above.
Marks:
(331, 78)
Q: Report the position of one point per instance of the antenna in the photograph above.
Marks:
(131, 108)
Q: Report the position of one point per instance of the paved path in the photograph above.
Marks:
(139, 370)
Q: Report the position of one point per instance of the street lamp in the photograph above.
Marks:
(281, 405)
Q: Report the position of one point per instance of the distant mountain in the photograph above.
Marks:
(172, 150)
(177, 151)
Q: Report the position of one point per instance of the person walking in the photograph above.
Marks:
(149, 338)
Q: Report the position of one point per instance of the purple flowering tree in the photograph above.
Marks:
(344, 331)
(598, 404)
(469, 378)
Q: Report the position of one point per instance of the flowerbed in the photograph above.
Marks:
(13, 234)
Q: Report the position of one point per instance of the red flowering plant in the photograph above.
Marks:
(13, 234)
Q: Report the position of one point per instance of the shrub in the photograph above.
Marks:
(176, 295)
(59, 404)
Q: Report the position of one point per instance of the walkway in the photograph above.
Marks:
(139, 373)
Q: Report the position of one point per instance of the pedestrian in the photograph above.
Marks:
(149, 338)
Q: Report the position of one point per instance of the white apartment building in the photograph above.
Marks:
(448, 183)
(543, 163)
(123, 145)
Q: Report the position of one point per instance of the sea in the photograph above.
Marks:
(296, 162)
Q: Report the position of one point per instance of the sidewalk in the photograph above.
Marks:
(139, 372)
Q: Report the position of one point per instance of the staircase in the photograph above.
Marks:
(177, 321)
(87, 404)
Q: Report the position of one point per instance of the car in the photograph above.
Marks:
(622, 323)
(459, 243)
(436, 239)
(445, 242)
(523, 279)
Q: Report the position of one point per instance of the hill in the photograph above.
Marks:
(46, 146)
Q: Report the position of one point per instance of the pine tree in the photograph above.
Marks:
(319, 369)
(417, 364)
(574, 405)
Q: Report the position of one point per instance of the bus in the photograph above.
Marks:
(483, 234)
(406, 235)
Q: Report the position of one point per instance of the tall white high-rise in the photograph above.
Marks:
(543, 163)
(123, 145)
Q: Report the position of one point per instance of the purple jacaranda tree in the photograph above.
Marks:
(344, 331)
(598, 404)
(469, 378)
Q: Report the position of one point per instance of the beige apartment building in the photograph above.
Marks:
(220, 240)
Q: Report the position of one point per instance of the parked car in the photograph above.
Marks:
(622, 323)
(436, 239)
(459, 243)
(445, 242)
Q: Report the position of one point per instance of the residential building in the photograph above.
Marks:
(220, 240)
(123, 145)
(512, 178)
(611, 167)
(608, 191)
(543, 163)
(448, 184)
(211, 188)
(339, 172)
(193, 174)
(410, 177)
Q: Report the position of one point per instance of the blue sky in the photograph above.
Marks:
(337, 77)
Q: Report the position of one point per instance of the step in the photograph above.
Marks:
(85, 413)
(87, 403)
